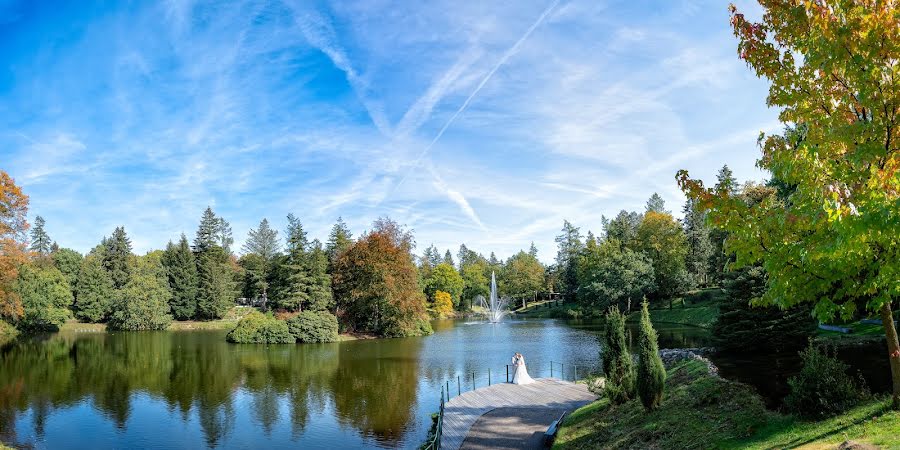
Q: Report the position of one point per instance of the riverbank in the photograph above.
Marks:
(703, 410)
(7, 332)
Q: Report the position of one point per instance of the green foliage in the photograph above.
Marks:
(651, 374)
(622, 228)
(822, 388)
(617, 362)
(522, 276)
(699, 245)
(181, 273)
(568, 246)
(662, 239)
(314, 326)
(257, 328)
(116, 256)
(475, 282)
(262, 243)
(40, 240)
(214, 293)
(208, 233)
(143, 304)
(611, 275)
(45, 296)
(656, 204)
(93, 291)
(745, 327)
(339, 240)
(68, 262)
(444, 277)
(303, 278)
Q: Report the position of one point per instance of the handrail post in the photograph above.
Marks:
(448, 389)
(575, 376)
(473, 380)
(507, 373)
(551, 369)
(489, 377)
(458, 388)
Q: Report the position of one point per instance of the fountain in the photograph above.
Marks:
(497, 307)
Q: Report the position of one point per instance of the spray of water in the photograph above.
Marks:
(496, 308)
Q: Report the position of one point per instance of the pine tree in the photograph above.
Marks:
(319, 291)
(569, 244)
(699, 245)
(223, 235)
(617, 362)
(116, 256)
(656, 204)
(339, 240)
(651, 374)
(719, 258)
(40, 240)
(208, 233)
(623, 227)
(532, 250)
(93, 291)
(448, 258)
(263, 243)
(214, 293)
(181, 273)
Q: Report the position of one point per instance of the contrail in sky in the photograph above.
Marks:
(512, 50)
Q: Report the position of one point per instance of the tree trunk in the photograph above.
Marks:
(890, 331)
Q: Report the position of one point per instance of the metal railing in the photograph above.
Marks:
(566, 372)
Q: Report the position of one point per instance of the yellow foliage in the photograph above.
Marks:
(443, 304)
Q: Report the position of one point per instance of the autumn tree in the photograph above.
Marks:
(834, 239)
(376, 286)
(40, 240)
(443, 304)
(13, 229)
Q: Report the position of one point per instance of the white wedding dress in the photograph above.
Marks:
(521, 374)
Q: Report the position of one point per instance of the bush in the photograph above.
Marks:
(651, 375)
(443, 303)
(256, 328)
(822, 388)
(617, 363)
(309, 326)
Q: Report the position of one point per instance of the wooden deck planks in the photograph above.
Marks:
(462, 411)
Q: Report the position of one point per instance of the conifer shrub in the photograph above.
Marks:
(257, 328)
(651, 374)
(617, 362)
(823, 387)
(314, 326)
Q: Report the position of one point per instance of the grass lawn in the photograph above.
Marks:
(701, 411)
(698, 308)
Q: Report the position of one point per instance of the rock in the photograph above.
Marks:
(851, 445)
(671, 356)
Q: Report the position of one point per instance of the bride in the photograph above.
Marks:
(521, 374)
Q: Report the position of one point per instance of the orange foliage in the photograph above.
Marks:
(13, 226)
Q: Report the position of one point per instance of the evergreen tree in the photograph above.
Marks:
(651, 374)
(699, 246)
(319, 290)
(617, 362)
(223, 235)
(467, 257)
(448, 259)
(656, 204)
(569, 244)
(719, 257)
(116, 257)
(623, 228)
(181, 273)
(93, 291)
(339, 240)
(40, 240)
(262, 242)
(208, 233)
(214, 293)
(532, 250)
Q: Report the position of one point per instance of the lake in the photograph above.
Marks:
(191, 389)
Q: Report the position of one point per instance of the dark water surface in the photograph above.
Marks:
(191, 389)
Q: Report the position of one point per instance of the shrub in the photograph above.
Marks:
(256, 328)
(651, 375)
(822, 388)
(617, 363)
(443, 303)
(310, 326)
(45, 296)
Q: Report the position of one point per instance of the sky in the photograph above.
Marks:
(484, 123)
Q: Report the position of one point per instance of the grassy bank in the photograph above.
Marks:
(698, 308)
(549, 310)
(703, 411)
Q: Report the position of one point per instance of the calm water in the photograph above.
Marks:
(191, 389)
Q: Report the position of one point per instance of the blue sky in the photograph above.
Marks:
(486, 123)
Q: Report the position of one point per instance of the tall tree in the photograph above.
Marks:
(610, 274)
(475, 283)
(448, 259)
(376, 286)
(522, 276)
(339, 239)
(568, 245)
(319, 289)
(181, 273)
(720, 257)
(40, 240)
(699, 246)
(214, 290)
(656, 204)
(93, 291)
(466, 256)
(834, 241)
(208, 233)
(68, 262)
(618, 365)
(623, 227)
(651, 374)
(662, 239)
(445, 278)
(223, 235)
(116, 257)
(262, 242)
(45, 295)
(143, 304)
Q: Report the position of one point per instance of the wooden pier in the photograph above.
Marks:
(463, 411)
